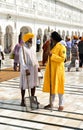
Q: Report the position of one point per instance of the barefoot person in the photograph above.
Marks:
(29, 68)
(57, 58)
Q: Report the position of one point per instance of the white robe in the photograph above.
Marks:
(31, 64)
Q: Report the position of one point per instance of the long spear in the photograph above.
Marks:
(27, 78)
(50, 78)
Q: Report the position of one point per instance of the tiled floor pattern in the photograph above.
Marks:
(15, 117)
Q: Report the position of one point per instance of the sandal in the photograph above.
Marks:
(48, 106)
(60, 108)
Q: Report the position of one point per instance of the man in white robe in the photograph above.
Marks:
(28, 66)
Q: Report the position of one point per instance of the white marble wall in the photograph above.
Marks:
(61, 15)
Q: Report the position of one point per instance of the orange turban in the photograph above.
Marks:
(75, 37)
(27, 36)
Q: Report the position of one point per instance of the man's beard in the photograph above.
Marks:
(52, 44)
(29, 44)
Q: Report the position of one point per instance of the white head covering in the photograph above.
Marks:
(63, 42)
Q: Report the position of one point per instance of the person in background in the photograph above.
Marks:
(80, 48)
(44, 38)
(1, 55)
(74, 39)
(68, 43)
(38, 44)
(79, 39)
(57, 57)
(74, 56)
(16, 53)
(28, 66)
(45, 48)
(63, 42)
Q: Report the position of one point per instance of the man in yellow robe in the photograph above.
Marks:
(56, 74)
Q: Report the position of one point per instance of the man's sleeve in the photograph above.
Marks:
(61, 56)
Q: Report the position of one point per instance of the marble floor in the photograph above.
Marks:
(15, 117)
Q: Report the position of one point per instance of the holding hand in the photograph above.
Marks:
(39, 69)
(50, 54)
(27, 72)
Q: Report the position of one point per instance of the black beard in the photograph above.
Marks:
(52, 44)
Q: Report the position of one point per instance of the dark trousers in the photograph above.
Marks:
(38, 47)
(81, 59)
(16, 66)
(0, 63)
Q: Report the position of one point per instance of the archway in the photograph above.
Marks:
(78, 34)
(82, 33)
(59, 32)
(72, 34)
(25, 29)
(67, 35)
(45, 37)
(8, 40)
(0, 36)
(63, 34)
(38, 40)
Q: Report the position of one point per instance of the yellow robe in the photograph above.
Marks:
(57, 70)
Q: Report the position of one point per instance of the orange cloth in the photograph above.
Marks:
(27, 36)
(46, 48)
(75, 37)
(81, 38)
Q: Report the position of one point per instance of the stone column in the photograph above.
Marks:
(13, 41)
(15, 38)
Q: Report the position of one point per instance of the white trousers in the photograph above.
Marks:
(61, 101)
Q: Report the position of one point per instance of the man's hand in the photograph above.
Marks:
(27, 72)
(50, 54)
(39, 69)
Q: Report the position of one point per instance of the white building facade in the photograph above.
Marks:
(39, 17)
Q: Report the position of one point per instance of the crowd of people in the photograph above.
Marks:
(75, 52)
(56, 52)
